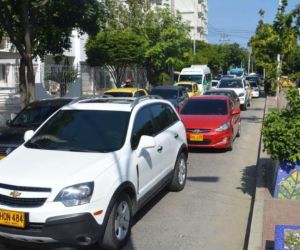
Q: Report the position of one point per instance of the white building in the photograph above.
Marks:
(195, 12)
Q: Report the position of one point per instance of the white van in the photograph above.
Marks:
(197, 73)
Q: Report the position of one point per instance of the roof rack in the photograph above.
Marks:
(108, 98)
(143, 98)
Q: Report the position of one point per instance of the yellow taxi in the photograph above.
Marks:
(190, 87)
(126, 92)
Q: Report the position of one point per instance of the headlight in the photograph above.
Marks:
(76, 195)
(223, 127)
(241, 94)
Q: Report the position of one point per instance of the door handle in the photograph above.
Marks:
(159, 149)
(175, 135)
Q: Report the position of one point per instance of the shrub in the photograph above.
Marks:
(281, 130)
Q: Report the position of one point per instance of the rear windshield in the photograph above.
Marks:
(82, 131)
(165, 93)
(191, 78)
(253, 84)
(187, 87)
(119, 94)
(205, 107)
(231, 83)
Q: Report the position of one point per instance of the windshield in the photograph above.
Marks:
(191, 78)
(165, 93)
(34, 115)
(253, 84)
(205, 107)
(83, 131)
(237, 72)
(119, 94)
(188, 88)
(231, 83)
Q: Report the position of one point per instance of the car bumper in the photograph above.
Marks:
(242, 100)
(76, 229)
(211, 140)
(255, 94)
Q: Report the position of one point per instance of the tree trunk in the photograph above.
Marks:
(30, 80)
(23, 84)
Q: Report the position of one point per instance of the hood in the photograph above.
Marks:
(13, 135)
(203, 121)
(44, 168)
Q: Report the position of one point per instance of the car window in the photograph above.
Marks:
(34, 115)
(205, 107)
(139, 93)
(165, 93)
(82, 130)
(161, 117)
(120, 94)
(186, 87)
(191, 78)
(142, 126)
(230, 83)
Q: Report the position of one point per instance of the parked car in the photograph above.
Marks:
(30, 117)
(255, 88)
(238, 85)
(214, 84)
(211, 121)
(226, 92)
(126, 92)
(175, 94)
(190, 87)
(81, 177)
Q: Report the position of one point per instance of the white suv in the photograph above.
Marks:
(238, 85)
(82, 175)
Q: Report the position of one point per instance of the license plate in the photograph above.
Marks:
(2, 156)
(12, 218)
(196, 137)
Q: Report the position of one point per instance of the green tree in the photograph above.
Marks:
(116, 50)
(40, 27)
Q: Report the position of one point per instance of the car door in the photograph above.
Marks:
(165, 136)
(235, 118)
(146, 165)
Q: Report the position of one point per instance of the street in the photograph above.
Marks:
(212, 211)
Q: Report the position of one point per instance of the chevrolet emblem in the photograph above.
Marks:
(15, 194)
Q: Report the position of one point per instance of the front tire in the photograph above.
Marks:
(180, 172)
(238, 134)
(118, 227)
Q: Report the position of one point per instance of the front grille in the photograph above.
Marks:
(21, 202)
(204, 142)
(198, 130)
(21, 188)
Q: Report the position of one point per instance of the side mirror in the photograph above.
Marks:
(145, 142)
(28, 135)
(236, 111)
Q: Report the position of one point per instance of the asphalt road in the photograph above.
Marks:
(212, 212)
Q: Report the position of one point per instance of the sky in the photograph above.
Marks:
(236, 20)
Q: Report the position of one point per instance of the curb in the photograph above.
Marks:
(257, 216)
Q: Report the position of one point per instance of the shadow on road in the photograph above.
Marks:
(203, 178)
(248, 180)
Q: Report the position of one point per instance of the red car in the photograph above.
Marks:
(211, 121)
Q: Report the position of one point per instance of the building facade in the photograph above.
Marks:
(195, 12)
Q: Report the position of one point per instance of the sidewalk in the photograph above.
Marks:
(268, 212)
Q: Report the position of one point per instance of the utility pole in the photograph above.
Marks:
(278, 67)
(249, 59)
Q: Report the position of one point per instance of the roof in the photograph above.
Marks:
(127, 90)
(185, 83)
(52, 101)
(220, 90)
(175, 87)
(209, 97)
(111, 103)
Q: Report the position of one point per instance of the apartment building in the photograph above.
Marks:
(195, 12)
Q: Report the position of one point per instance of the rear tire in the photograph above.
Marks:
(118, 227)
(244, 106)
(179, 175)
